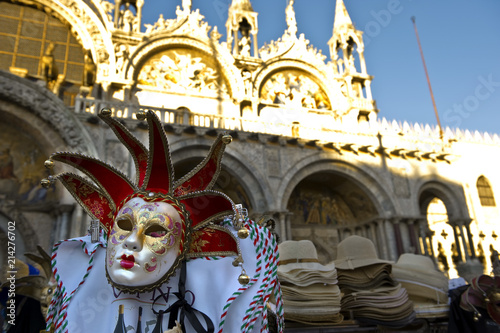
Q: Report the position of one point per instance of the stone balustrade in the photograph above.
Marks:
(362, 134)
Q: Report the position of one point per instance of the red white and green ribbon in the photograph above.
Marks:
(57, 312)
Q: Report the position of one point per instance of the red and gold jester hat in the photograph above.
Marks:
(199, 207)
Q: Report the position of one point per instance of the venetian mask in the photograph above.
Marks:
(143, 244)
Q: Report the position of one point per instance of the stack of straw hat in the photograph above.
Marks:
(310, 291)
(370, 294)
(426, 286)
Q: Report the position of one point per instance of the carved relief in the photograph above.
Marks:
(294, 48)
(294, 88)
(107, 8)
(186, 22)
(183, 71)
(318, 206)
(121, 53)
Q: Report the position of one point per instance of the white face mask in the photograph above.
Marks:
(143, 243)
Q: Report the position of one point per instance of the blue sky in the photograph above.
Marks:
(460, 41)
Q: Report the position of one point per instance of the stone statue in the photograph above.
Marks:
(186, 5)
(125, 17)
(160, 24)
(247, 79)
(121, 56)
(290, 18)
(48, 62)
(108, 9)
(128, 19)
(245, 44)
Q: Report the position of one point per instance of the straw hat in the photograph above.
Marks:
(419, 268)
(300, 255)
(356, 251)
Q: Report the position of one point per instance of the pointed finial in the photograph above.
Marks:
(342, 17)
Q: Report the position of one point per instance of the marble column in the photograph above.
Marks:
(282, 227)
(255, 45)
(471, 240)
(383, 246)
(391, 240)
(457, 242)
(426, 239)
(464, 241)
(405, 236)
(288, 227)
(63, 222)
(397, 237)
(413, 237)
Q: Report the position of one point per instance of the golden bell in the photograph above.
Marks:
(49, 164)
(226, 138)
(140, 115)
(237, 261)
(106, 112)
(45, 183)
(243, 279)
(243, 233)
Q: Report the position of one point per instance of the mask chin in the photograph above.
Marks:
(138, 278)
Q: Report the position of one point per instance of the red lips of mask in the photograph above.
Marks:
(127, 262)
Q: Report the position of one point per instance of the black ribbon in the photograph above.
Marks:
(186, 311)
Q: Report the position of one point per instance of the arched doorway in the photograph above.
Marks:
(226, 182)
(445, 230)
(443, 242)
(326, 207)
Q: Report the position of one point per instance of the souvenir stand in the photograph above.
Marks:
(162, 255)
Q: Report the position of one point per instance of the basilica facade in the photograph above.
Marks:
(309, 148)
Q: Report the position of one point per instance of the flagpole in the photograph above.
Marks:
(428, 80)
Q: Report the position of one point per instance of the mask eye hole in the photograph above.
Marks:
(155, 230)
(124, 224)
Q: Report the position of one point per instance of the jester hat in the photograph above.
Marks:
(109, 189)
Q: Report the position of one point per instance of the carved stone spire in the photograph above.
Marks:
(348, 61)
(342, 18)
(242, 29)
(243, 5)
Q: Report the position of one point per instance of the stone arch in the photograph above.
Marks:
(145, 51)
(325, 213)
(354, 36)
(88, 28)
(449, 240)
(455, 204)
(257, 190)
(382, 200)
(55, 126)
(326, 84)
